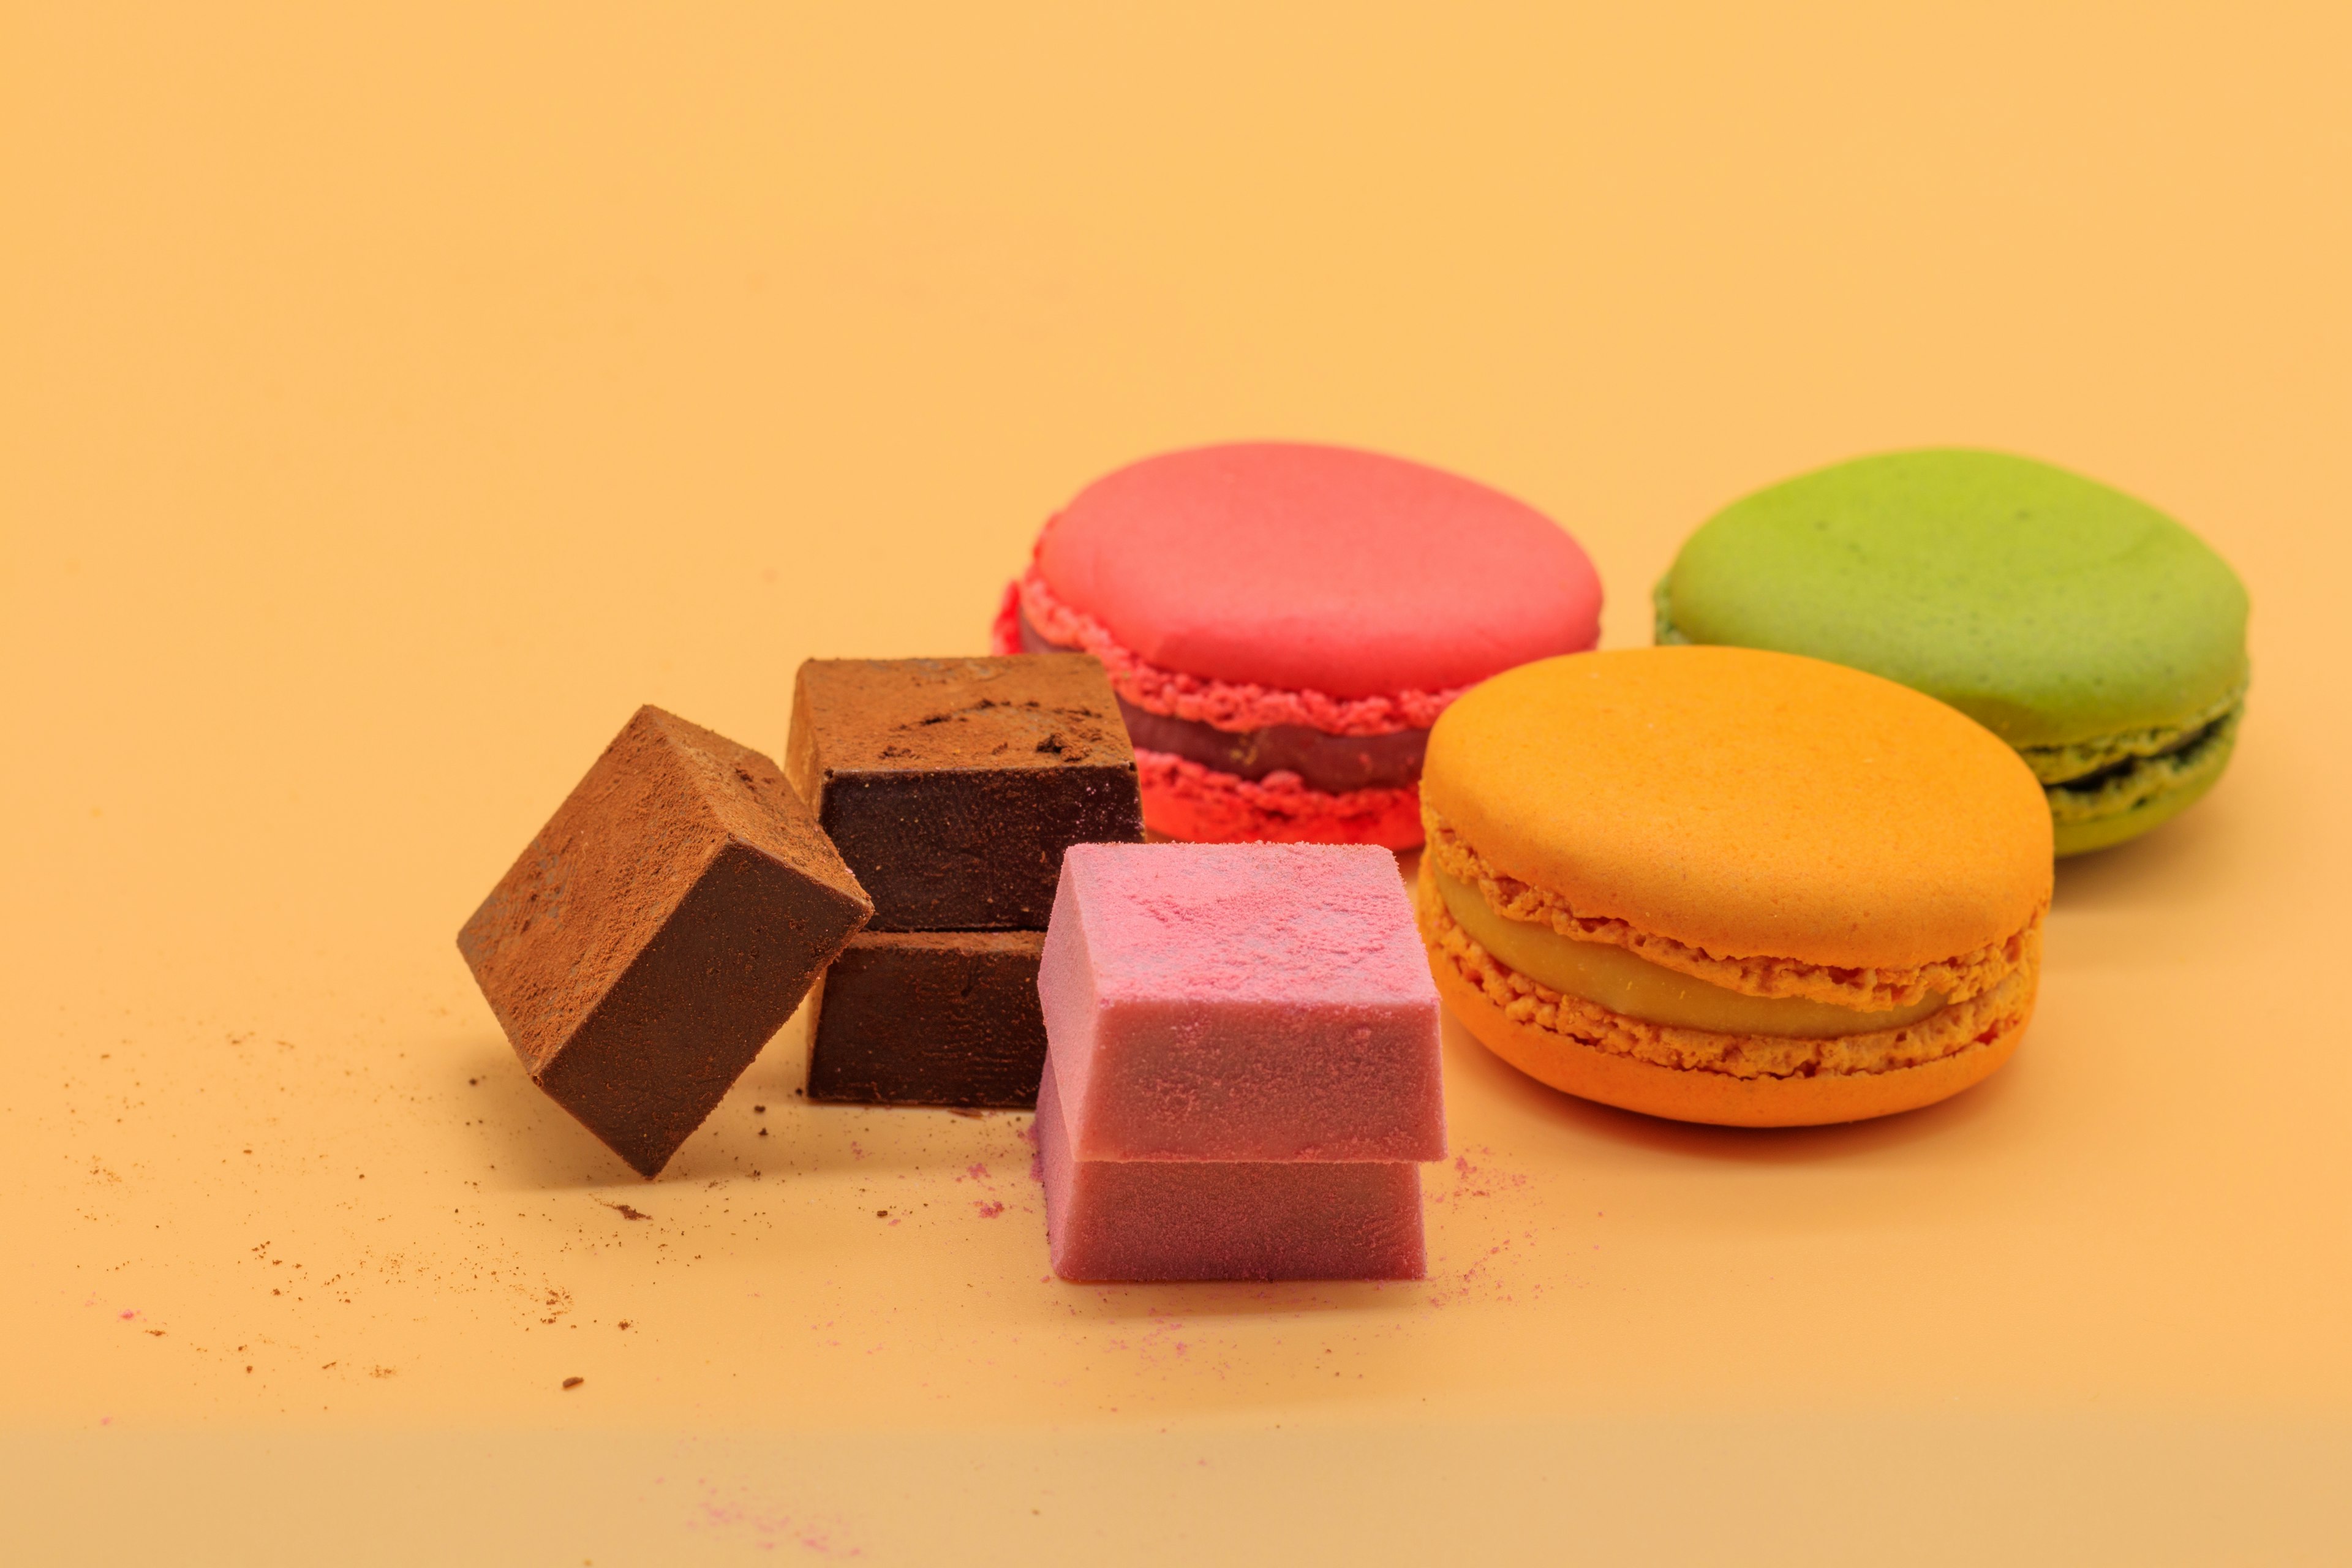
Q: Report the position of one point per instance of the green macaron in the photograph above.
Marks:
(2095, 634)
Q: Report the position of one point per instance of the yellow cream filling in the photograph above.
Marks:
(1636, 988)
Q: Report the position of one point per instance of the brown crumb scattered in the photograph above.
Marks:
(157, 1332)
(624, 1210)
(763, 1133)
(758, 1110)
(248, 1368)
(624, 1322)
(381, 1371)
(573, 1382)
(881, 1214)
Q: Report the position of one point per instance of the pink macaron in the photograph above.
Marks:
(1283, 623)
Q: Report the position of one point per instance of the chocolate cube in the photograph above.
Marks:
(665, 923)
(952, 785)
(930, 1019)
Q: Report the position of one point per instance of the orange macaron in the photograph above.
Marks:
(1725, 885)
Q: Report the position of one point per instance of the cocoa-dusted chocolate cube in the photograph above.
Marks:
(952, 785)
(665, 923)
(930, 1019)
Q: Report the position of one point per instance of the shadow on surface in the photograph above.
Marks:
(762, 1128)
(2185, 861)
(528, 1141)
(1197, 1303)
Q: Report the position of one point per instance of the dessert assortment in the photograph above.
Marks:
(1789, 866)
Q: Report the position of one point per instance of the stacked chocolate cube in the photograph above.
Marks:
(951, 788)
(1242, 1066)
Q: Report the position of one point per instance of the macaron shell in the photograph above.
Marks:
(1748, 802)
(1634, 1085)
(1320, 568)
(2050, 607)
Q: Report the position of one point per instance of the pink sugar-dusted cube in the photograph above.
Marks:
(1203, 1219)
(1251, 1002)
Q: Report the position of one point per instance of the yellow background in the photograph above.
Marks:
(397, 395)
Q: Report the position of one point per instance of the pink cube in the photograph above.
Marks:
(1209, 1219)
(1241, 1002)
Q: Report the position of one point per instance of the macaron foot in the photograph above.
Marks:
(1628, 1083)
(2078, 835)
(1182, 799)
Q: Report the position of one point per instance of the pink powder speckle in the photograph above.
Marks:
(768, 1530)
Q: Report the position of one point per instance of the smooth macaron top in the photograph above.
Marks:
(2051, 608)
(1319, 568)
(1748, 803)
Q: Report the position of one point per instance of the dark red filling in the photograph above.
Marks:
(1333, 763)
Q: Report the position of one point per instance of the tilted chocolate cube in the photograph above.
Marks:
(662, 926)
